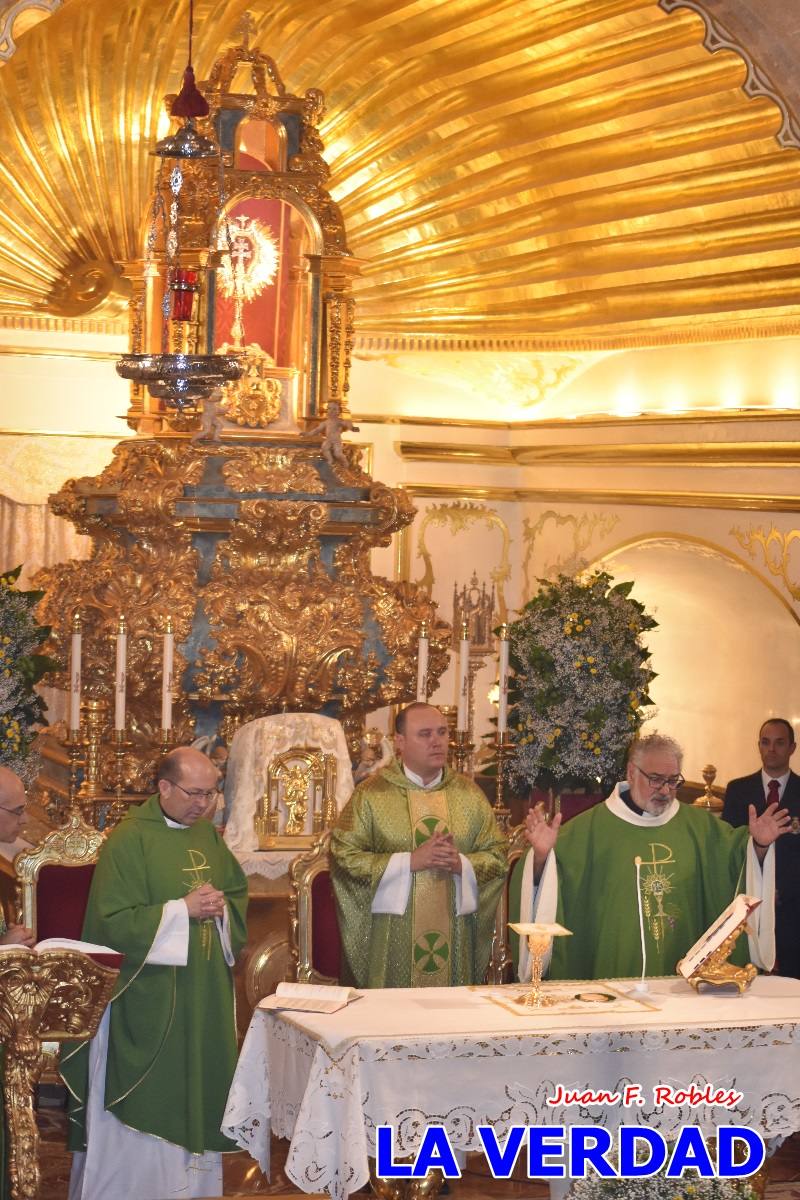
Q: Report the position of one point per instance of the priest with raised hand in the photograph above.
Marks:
(418, 865)
(148, 1092)
(642, 869)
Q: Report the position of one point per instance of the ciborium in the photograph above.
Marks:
(540, 938)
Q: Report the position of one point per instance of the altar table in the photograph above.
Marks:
(452, 1057)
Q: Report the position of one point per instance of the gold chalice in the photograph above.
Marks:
(540, 937)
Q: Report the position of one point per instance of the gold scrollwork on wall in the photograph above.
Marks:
(777, 550)
(579, 530)
(459, 515)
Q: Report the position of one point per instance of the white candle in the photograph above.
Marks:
(462, 721)
(422, 664)
(166, 677)
(119, 677)
(502, 707)
(75, 676)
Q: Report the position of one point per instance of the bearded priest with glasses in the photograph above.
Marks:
(642, 856)
(148, 1092)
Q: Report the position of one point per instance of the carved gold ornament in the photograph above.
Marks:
(777, 550)
(459, 515)
(53, 995)
(267, 579)
(254, 400)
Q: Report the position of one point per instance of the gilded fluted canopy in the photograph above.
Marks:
(552, 174)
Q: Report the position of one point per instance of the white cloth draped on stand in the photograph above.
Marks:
(252, 749)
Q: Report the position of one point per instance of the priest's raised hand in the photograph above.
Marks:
(541, 835)
(767, 828)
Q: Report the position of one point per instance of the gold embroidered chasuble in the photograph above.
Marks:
(429, 944)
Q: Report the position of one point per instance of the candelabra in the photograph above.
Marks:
(463, 751)
(96, 711)
(117, 809)
(504, 749)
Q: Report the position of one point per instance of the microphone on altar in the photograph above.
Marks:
(641, 988)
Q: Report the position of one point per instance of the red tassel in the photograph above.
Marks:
(190, 102)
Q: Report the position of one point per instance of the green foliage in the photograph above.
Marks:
(21, 667)
(581, 678)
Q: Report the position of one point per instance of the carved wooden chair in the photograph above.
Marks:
(52, 889)
(53, 879)
(501, 965)
(314, 941)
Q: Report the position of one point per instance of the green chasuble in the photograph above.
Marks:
(692, 867)
(172, 1038)
(429, 943)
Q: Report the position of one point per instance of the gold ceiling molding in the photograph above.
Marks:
(33, 323)
(558, 174)
(19, 15)
(679, 454)
(703, 544)
(758, 82)
(642, 499)
(698, 417)
(59, 352)
(778, 551)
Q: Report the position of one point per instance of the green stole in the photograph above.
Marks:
(431, 891)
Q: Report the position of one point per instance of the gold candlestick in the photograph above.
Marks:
(166, 740)
(117, 810)
(504, 749)
(463, 750)
(708, 799)
(95, 723)
(74, 750)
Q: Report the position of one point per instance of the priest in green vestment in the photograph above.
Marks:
(12, 810)
(643, 873)
(148, 1101)
(418, 866)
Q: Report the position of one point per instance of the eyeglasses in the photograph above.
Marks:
(15, 812)
(198, 793)
(673, 782)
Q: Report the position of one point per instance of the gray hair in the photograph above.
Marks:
(657, 742)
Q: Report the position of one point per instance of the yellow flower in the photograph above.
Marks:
(590, 659)
(597, 749)
(587, 620)
(567, 629)
(593, 670)
(556, 733)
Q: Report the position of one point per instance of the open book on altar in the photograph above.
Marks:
(310, 997)
(733, 919)
(103, 955)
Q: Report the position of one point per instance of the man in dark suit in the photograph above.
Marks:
(775, 781)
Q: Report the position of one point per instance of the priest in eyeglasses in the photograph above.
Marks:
(148, 1092)
(643, 872)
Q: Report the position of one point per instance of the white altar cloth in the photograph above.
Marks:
(450, 1056)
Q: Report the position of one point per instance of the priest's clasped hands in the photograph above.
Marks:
(438, 853)
(205, 902)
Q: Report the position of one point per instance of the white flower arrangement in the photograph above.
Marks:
(581, 678)
(657, 1187)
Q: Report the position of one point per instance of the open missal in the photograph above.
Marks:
(733, 918)
(104, 955)
(310, 997)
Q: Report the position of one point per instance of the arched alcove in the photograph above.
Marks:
(727, 648)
